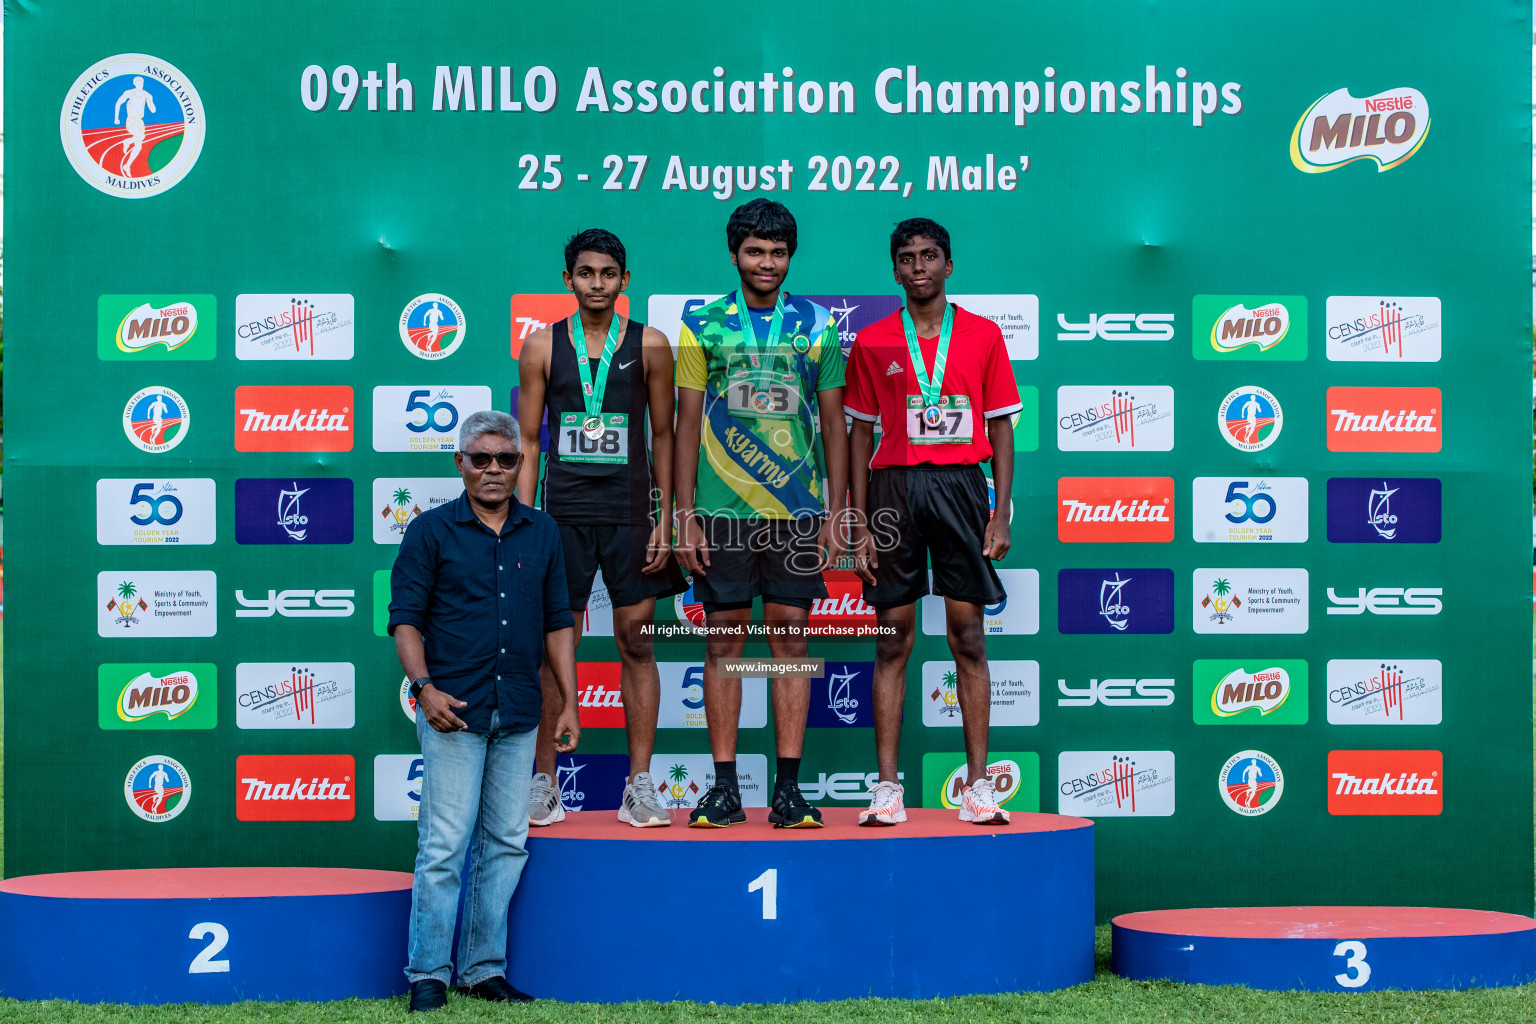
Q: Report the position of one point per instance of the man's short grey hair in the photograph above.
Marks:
(488, 421)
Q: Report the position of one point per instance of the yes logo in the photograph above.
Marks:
(1117, 693)
(295, 604)
(155, 327)
(1266, 692)
(1248, 327)
(1117, 327)
(1386, 601)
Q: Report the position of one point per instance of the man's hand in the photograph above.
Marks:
(995, 542)
(657, 548)
(865, 560)
(438, 707)
(692, 547)
(830, 540)
(567, 730)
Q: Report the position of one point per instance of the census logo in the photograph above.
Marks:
(293, 510)
(157, 788)
(1095, 418)
(397, 781)
(1371, 691)
(155, 512)
(293, 326)
(423, 419)
(294, 695)
(843, 696)
(1017, 614)
(1338, 129)
(1251, 783)
(132, 125)
(1250, 510)
(397, 501)
(1114, 602)
(1384, 329)
(1250, 419)
(1015, 691)
(156, 419)
(1384, 510)
(1116, 783)
(432, 326)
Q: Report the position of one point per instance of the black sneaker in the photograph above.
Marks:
(426, 995)
(719, 808)
(496, 989)
(790, 809)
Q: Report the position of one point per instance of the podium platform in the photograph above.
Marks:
(1327, 949)
(204, 935)
(606, 912)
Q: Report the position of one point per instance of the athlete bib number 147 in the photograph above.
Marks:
(575, 443)
(949, 422)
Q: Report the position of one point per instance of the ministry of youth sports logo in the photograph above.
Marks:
(132, 125)
(432, 326)
(1250, 419)
(156, 419)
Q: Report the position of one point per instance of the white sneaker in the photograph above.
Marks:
(641, 807)
(978, 804)
(885, 805)
(544, 807)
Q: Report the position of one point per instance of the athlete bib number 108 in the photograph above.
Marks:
(575, 443)
(771, 400)
(949, 422)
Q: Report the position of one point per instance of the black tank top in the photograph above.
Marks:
(588, 492)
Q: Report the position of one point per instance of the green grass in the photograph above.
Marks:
(1105, 1000)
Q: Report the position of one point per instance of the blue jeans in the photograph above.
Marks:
(472, 783)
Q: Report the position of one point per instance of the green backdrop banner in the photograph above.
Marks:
(1266, 602)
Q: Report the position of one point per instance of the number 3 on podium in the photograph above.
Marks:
(768, 882)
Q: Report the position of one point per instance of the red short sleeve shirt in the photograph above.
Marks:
(881, 376)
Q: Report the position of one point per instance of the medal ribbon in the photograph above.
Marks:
(929, 387)
(592, 393)
(749, 330)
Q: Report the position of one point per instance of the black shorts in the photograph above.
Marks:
(619, 551)
(915, 510)
(775, 559)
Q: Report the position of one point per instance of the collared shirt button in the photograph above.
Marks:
(503, 651)
(503, 594)
(503, 622)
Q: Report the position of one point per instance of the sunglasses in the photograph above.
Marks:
(482, 460)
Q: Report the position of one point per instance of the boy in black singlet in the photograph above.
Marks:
(600, 376)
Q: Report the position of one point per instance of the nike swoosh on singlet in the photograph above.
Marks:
(625, 366)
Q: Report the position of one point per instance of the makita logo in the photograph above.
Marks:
(1385, 781)
(314, 419)
(599, 703)
(844, 604)
(1093, 509)
(1384, 419)
(841, 605)
(295, 787)
(1117, 327)
(1119, 512)
(293, 419)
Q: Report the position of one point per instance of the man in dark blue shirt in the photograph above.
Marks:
(478, 597)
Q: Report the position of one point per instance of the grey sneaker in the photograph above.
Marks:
(544, 801)
(641, 807)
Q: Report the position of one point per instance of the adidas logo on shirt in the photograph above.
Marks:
(894, 369)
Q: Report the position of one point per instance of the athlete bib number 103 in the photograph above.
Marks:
(949, 422)
(770, 400)
(577, 443)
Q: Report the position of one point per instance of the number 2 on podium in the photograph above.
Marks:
(768, 881)
(204, 963)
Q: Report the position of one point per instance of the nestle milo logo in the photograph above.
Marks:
(1337, 129)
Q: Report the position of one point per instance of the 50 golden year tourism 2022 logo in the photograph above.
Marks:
(132, 125)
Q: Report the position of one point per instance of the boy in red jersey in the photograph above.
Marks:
(938, 379)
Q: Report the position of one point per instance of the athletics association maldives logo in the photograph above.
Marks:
(1251, 783)
(157, 788)
(432, 326)
(1339, 129)
(1250, 419)
(156, 419)
(132, 125)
